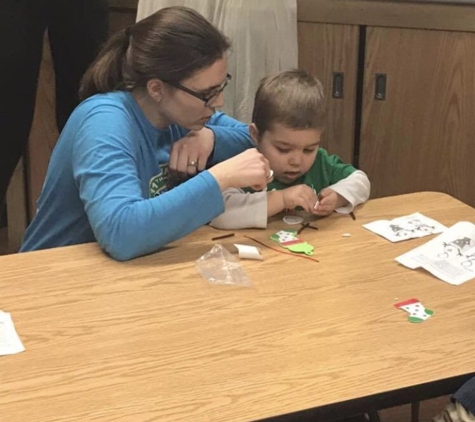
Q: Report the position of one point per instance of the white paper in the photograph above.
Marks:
(248, 252)
(406, 227)
(450, 256)
(10, 343)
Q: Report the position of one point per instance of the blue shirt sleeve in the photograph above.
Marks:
(231, 137)
(125, 224)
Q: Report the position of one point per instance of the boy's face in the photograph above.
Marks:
(290, 152)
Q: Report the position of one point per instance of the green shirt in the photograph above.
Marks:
(325, 171)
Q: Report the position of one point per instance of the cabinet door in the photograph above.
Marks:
(326, 49)
(422, 135)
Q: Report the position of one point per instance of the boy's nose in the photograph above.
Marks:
(295, 160)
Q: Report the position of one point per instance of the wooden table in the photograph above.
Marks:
(151, 339)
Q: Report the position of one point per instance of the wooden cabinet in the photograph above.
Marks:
(406, 118)
(422, 135)
(329, 52)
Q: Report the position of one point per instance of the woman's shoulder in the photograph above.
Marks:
(120, 99)
(106, 116)
(111, 108)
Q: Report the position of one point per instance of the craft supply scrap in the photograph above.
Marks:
(248, 252)
(10, 343)
(406, 227)
(450, 256)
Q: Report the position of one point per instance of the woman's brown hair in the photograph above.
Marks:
(171, 44)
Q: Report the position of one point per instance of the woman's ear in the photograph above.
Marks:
(254, 132)
(155, 89)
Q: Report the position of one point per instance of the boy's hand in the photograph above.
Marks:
(329, 201)
(299, 196)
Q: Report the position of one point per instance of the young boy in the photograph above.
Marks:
(287, 123)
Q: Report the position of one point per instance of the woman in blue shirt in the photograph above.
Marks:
(121, 171)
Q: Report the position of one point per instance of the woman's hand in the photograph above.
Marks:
(190, 154)
(248, 169)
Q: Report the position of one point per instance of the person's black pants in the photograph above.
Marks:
(76, 29)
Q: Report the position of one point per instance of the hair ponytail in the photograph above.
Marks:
(106, 73)
(171, 44)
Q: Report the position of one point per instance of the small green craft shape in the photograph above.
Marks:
(288, 239)
(415, 319)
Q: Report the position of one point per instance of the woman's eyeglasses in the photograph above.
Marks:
(206, 98)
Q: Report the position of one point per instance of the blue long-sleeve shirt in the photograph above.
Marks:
(107, 178)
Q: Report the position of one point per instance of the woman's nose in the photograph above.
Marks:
(217, 102)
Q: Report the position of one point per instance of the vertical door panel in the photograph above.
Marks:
(422, 135)
(323, 50)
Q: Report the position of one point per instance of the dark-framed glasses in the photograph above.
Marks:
(207, 97)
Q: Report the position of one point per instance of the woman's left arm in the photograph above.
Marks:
(222, 138)
(231, 137)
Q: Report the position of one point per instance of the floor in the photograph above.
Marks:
(428, 408)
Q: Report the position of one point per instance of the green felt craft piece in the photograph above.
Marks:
(288, 239)
(415, 319)
(305, 248)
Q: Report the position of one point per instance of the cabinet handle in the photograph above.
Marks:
(338, 84)
(380, 87)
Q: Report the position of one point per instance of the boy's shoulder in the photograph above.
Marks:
(324, 154)
(324, 157)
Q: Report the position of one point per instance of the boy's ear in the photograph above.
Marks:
(154, 89)
(254, 133)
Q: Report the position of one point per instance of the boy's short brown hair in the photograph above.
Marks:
(291, 98)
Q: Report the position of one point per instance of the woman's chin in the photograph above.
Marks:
(200, 124)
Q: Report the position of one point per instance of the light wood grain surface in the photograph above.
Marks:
(392, 13)
(323, 50)
(420, 114)
(151, 340)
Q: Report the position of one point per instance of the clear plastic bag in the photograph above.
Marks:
(218, 266)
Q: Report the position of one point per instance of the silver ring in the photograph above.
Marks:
(192, 163)
(271, 173)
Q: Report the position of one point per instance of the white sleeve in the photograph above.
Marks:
(355, 189)
(243, 210)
